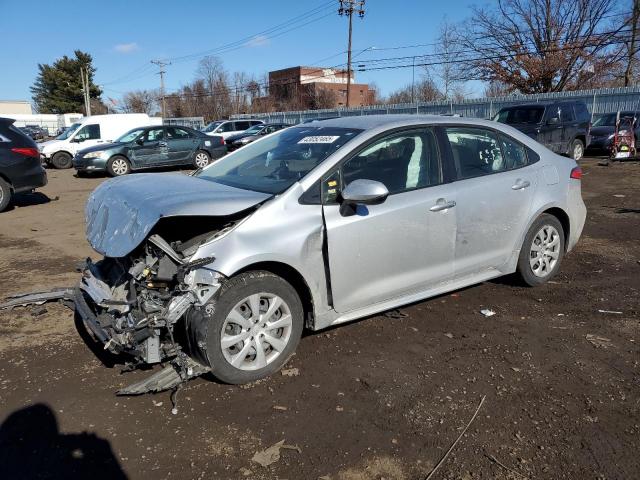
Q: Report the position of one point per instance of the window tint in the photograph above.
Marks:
(520, 115)
(255, 122)
(514, 153)
(226, 127)
(582, 113)
(242, 125)
(401, 162)
(177, 133)
(89, 132)
(154, 135)
(475, 151)
(566, 113)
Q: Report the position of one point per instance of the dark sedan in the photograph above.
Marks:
(151, 147)
(604, 127)
(20, 166)
(257, 131)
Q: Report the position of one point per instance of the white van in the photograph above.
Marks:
(226, 128)
(91, 131)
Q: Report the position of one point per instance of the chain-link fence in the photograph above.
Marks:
(193, 122)
(598, 101)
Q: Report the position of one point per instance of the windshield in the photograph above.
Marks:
(519, 115)
(68, 132)
(609, 119)
(211, 127)
(276, 162)
(130, 136)
(253, 130)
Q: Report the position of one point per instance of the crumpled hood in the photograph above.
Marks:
(121, 212)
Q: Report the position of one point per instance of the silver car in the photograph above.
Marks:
(314, 226)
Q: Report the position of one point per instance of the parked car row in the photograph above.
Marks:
(36, 132)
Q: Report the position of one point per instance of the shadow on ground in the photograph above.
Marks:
(31, 446)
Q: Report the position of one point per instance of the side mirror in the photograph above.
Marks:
(365, 192)
(140, 141)
(553, 121)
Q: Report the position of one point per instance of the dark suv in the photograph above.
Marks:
(20, 166)
(563, 127)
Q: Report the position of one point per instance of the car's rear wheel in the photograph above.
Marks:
(118, 166)
(201, 159)
(577, 149)
(61, 160)
(254, 326)
(542, 251)
(5, 194)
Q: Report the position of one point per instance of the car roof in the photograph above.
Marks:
(369, 122)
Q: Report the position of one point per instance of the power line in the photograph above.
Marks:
(348, 8)
(162, 64)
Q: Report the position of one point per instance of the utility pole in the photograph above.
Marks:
(348, 7)
(86, 94)
(162, 64)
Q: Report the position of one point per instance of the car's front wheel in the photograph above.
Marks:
(254, 326)
(118, 166)
(542, 251)
(61, 160)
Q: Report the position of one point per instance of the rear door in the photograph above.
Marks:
(552, 128)
(570, 127)
(181, 144)
(405, 244)
(494, 194)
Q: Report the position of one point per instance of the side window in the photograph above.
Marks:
(226, 127)
(255, 122)
(582, 114)
(475, 151)
(566, 113)
(515, 155)
(553, 111)
(89, 132)
(403, 161)
(174, 133)
(242, 125)
(154, 135)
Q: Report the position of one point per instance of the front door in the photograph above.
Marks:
(494, 193)
(182, 145)
(150, 150)
(405, 244)
(87, 136)
(553, 129)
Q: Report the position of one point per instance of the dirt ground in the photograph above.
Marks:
(378, 398)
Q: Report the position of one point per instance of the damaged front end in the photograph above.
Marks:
(136, 304)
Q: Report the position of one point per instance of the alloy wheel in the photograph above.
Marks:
(544, 251)
(578, 151)
(201, 160)
(119, 166)
(256, 331)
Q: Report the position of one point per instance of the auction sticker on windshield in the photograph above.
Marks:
(320, 139)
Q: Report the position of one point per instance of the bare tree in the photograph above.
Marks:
(633, 44)
(320, 97)
(496, 88)
(449, 74)
(538, 45)
(423, 91)
(140, 101)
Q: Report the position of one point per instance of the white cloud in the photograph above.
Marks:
(126, 47)
(258, 41)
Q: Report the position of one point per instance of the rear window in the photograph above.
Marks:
(520, 115)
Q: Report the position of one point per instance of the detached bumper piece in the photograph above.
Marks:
(167, 378)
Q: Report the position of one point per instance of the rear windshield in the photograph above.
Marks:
(274, 163)
(519, 115)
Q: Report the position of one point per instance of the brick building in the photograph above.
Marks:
(317, 87)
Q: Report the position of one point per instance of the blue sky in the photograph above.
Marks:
(123, 36)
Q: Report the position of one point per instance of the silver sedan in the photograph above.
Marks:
(314, 226)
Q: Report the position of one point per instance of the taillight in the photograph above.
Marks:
(221, 140)
(576, 172)
(27, 151)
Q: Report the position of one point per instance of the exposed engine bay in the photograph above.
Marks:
(136, 304)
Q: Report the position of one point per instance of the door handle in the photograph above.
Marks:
(521, 184)
(441, 204)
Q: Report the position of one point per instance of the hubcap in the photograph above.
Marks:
(577, 152)
(256, 331)
(119, 166)
(545, 250)
(202, 160)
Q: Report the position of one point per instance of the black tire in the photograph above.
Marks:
(577, 149)
(198, 156)
(61, 160)
(5, 194)
(525, 269)
(235, 290)
(119, 160)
